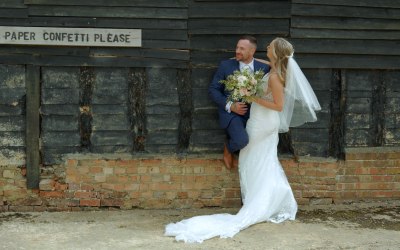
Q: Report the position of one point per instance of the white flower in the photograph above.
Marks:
(243, 85)
(241, 80)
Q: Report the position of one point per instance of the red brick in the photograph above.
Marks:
(232, 193)
(347, 195)
(321, 201)
(29, 201)
(87, 187)
(143, 186)
(128, 163)
(60, 186)
(40, 209)
(198, 162)
(163, 169)
(177, 178)
(393, 163)
(157, 203)
(72, 163)
(173, 161)
(289, 164)
(119, 187)
(383, 178)
(74, 186)
(215, 202)
(134, 195)
(348, 178)
(73, 203)
(84, 194)
(111, 202)
(95, 170)
(119, 170)
(194, 194)
(182, 203)
(393, 171)
(374, 185)
(89, 202)
(123, 179)
(131, 187)
(20, 208)
(396, 193)
(132, 170)
(375, 194)
(164, 186)
(150, 162)
(52, 194)
(346, 186)
(231, 203)
(303, 201)
(145, 178)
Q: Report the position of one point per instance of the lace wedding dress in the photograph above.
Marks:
(266, 193)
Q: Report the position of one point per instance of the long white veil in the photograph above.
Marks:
(300, 100)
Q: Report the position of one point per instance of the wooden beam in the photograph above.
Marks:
(361, 3)
(32, 126)
(144, 3)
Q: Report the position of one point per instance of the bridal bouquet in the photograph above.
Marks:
(243, 85)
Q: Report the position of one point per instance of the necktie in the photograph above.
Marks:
(247, 67)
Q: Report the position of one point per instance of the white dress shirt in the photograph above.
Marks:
(250, 66)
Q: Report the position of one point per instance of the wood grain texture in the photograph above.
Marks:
(33, 126)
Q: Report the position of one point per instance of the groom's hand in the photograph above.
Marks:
(239, 108)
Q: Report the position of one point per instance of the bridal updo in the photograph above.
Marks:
(282, 51)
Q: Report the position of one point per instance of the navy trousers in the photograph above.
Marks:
(237, 135)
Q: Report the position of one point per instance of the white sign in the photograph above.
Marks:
(71, 36)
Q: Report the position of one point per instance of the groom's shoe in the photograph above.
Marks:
(228, 158)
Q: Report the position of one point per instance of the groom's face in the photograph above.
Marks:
(245, 51)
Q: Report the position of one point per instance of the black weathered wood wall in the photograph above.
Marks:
(356, 45)
(154, 99)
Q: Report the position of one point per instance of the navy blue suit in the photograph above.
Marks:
(233, 123)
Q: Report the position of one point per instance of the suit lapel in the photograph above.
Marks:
(257, 65)
(236, 65)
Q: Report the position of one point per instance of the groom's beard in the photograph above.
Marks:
(240, 58)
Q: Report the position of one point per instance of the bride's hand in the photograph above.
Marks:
(239, 108)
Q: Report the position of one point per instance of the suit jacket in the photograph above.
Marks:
(217, 90)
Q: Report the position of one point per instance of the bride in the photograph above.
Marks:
(285, 100)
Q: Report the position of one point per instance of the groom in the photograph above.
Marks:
(233, 115)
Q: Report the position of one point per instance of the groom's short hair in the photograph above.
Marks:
(251, 39)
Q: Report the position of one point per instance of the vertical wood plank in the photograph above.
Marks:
(86, 82)
(137, 107)
(378, 107)
(32, 126)
(186, 110)
(337, 106)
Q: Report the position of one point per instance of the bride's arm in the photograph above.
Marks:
(261, 60)
(276, 87)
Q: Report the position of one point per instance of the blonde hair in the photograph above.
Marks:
(282, 51)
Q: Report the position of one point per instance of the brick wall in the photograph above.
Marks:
(122, 181)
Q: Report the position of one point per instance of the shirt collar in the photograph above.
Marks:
(251, 65)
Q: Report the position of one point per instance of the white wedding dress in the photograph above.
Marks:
(266, 193)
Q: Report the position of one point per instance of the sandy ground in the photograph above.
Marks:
(355, 226)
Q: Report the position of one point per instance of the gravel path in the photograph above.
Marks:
(362, 226)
